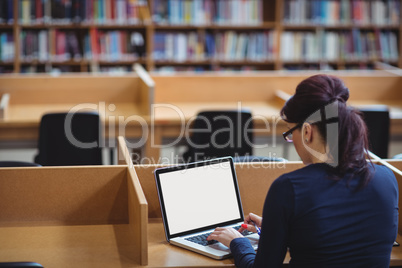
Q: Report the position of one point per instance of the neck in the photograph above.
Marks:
(318, 153)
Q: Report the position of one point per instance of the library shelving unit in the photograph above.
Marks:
(72, 35)
(210, 35)
(342, 34)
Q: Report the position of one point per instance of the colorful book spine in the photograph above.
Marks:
(205, 12)
(339, 12)
(7, 48)
(226, 46)
(354, 45)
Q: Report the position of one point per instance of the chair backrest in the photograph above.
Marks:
(77, 143)
(220, 133)
(18, 164)
(378, 125)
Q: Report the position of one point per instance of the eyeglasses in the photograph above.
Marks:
(288, 135)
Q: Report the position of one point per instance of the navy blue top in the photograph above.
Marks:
(324, 222)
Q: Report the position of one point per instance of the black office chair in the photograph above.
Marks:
(378, 125)
(75, 144)
(18, 164)
(20, 265)
(220, 133)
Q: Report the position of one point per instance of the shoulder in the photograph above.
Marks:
(382, 174)
(310, 171)
(383, 170)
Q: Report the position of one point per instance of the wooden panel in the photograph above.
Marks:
(118, 100)
(373, 86)
(147, 181)
(100, 246)
(146, 88)
(214, 88)
(123, 155)
(138, 216)
(85, 216)
(4, 102)
(41, 89)
(396, 167)
(63, 195)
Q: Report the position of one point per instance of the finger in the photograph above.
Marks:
(253, 217)
(213, 236)
(215, 233)
(248, 227)
(242, 228)
(257, 219)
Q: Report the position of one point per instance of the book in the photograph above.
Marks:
(72, 46)
(94, 44)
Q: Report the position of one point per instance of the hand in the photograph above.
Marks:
(224, 235)
(249, 222)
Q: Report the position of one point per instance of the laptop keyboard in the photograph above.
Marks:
(202, 239)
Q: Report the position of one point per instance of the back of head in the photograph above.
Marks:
(318, 93)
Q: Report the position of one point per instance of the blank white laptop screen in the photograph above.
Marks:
(199, 196)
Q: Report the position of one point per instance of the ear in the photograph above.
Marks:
(307, 131)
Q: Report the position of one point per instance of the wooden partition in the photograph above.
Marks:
(72, 216)
(123, 154)
(31, 96)
(157, 107)
(4, 101)
(255, 87)
(146, 86)
(257, 91)
(98, 216)
(254, 180)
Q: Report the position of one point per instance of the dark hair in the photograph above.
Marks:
(312, 95)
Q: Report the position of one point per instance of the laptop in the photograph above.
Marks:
(196, 198)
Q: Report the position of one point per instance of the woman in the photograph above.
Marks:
(338, 211)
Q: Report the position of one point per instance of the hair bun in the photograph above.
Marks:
(342, 99)
(341, 92)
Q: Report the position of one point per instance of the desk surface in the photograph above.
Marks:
(23, 120)
(162, 254)
(105, 246)
(177, 101)
(171, 114)
(34, 112)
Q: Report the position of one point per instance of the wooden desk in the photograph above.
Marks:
(162, 254)
(177, 99)
(180, 97)
(108, 216)
(72, 217)
(250, 179)
(123, 102)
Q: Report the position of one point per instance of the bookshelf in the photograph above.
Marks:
(198, 35)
